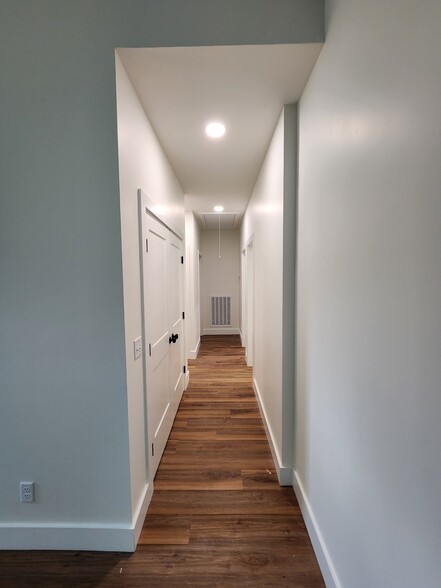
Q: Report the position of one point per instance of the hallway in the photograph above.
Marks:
(218, 516)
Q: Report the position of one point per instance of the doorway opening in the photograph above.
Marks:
(249, 302)
(163, 98)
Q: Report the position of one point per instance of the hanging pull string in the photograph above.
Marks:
(219, 239)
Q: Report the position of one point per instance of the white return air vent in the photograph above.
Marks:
(220, 311)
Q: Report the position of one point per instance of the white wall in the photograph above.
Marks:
(142, 164)
(369, 312)
(220, 276)
(192, 285)
(263, 220)
(270, 221)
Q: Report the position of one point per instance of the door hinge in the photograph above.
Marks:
(146, 245)
(183, 315)
(182, 259)
(150, 349)
(153, 449)
(185, 369)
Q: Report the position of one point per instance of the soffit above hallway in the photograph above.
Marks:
(245, 87)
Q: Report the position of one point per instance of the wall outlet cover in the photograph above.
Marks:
(27, 491)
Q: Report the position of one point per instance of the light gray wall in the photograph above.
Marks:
(64, 416)
(220, 276)
(369, 310)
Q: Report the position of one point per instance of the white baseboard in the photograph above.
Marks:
(324, 559)
(284, 474)
(193, 353)
(221, 331)
(76, 537)
(187, 379)
(241, 338)
(141, 511)
(63, 537)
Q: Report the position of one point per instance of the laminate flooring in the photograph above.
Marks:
(218, 516)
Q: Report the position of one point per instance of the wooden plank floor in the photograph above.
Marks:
(218, 516)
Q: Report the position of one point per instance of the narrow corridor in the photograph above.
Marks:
(218, 516)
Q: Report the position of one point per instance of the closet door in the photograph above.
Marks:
(175, 306)
(162, 300)
(157, 335)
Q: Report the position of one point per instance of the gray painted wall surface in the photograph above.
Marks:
(63, 421)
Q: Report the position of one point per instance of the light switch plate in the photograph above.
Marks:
(137, 347)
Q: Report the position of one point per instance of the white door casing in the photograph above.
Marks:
(249, 318)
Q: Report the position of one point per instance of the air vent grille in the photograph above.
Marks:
(220, 311)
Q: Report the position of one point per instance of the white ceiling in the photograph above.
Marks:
(245, 87)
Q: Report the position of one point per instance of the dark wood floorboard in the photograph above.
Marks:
(218, 516)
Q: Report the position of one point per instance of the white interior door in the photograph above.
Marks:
(250, 304)
(175, 318)
(156, 329)
(198, 294)
(162, 298)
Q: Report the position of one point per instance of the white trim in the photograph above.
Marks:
(318, 543)
(141, 511)
(193, 353)
(250, 294)
(284, 474)
(187, 379)
(222, 331)
(67, 537)
(156, 210)
(241, 338)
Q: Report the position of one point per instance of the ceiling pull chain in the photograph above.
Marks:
(219, 240)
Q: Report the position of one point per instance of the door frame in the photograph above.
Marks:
(249, 300)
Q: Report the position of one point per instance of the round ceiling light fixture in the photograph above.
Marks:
(218, 209)
(215, 130)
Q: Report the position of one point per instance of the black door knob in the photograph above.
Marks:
(173, 338)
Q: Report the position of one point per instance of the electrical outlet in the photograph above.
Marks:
(137, 347)
(27, 491)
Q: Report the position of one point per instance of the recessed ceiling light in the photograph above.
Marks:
(215, 130)
(218, 209)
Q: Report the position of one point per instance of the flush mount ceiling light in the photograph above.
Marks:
(215, 130)
(218, 209)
